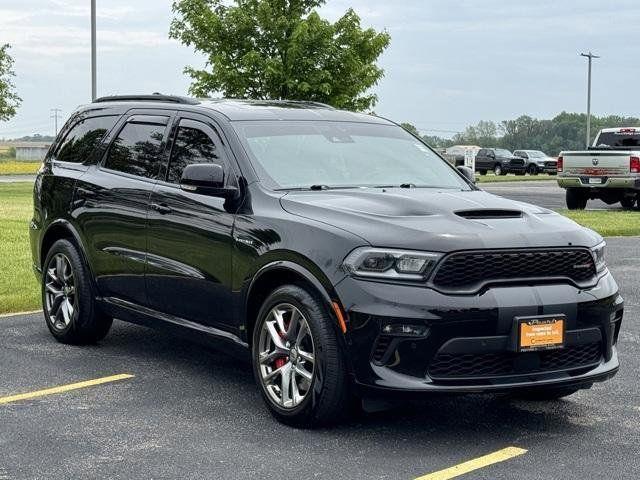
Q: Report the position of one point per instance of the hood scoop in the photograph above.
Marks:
(486, 213)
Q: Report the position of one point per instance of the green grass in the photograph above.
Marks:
(606, 222)
(18, 287)
(13, 167)
(490, 178)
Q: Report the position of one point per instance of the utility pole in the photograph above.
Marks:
(590, 56)
(54, 114)
(93, 50)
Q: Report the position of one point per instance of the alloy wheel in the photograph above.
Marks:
(286, 356)
(60, 291)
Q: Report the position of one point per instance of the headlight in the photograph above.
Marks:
(390, 264)
(540, 162)
(598, 257)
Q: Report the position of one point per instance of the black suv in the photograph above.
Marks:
(500, 161)
(339, 251)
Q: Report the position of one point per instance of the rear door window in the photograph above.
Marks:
(137, 148)
(83, 138)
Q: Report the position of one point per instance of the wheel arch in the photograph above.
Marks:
(278, 273)
(62, 229)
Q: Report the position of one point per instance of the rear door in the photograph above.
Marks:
(112, 202)
(190, 235)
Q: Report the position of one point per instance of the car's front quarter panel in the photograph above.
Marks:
(266, 235)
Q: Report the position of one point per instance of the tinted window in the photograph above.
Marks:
(627, 137)
(191, 145)
(342, 154)
(83, 138)
(136, 150)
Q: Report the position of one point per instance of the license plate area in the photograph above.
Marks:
(544, 332)
(595, 181)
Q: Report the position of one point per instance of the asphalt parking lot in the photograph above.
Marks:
(192, 412)
(547, 194)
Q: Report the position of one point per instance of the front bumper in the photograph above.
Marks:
(609, 182)
(474, 334)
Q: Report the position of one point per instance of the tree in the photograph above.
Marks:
(9, 100)
(280, 49)
(410, 128)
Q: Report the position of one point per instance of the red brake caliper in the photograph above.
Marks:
(280, 361)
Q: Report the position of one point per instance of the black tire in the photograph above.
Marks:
(86, 323)
(532, 169)
(482, 172)
(546, 394)
(327, 398)
(498, 170)
(576, 199)
(628, 203)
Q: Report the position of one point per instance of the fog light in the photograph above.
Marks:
(406, 330)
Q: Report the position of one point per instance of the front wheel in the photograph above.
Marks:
(482, 172)
(498, 170)
(532, 170)
(297, 359)
(576, 199)
(67, 297)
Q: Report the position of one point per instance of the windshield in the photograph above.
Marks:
(536, 154)
(501, 152)
(625, 138)
(329, 154)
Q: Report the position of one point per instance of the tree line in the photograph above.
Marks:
(565, 131)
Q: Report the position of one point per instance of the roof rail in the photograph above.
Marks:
(156, 97)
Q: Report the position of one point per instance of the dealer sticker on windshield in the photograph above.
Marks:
(541, 333)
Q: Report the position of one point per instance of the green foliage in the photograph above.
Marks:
(280, 49)
(410, 128)
(9, 100)
(566, 131)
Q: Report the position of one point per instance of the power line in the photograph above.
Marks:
(54, 114)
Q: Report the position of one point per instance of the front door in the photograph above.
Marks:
(189, 234)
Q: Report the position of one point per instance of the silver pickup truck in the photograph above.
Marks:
(609, 170)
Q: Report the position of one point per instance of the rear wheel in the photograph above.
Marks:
(546, 394)
(576, 199)
(497, 169)
(628, 202)
(298, 361)
(68, 299)
(482, 172)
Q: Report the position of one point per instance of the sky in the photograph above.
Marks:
(450, 64)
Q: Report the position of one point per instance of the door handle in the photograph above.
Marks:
(85, 193)
(161, 208)
(82, 196)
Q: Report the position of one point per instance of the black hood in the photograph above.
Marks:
(438, 220)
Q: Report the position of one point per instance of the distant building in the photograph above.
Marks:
(31, 151)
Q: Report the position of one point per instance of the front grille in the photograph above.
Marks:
(452, 366)
(468, 271)
(517, 161)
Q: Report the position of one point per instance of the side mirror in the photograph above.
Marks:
(468, 173)
(206, 179)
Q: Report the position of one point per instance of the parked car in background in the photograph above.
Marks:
(456, 153)
(538, 162)
(609, 170)
(500, 160)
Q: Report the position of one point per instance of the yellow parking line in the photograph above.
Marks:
(475, 464)
(64, 388)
